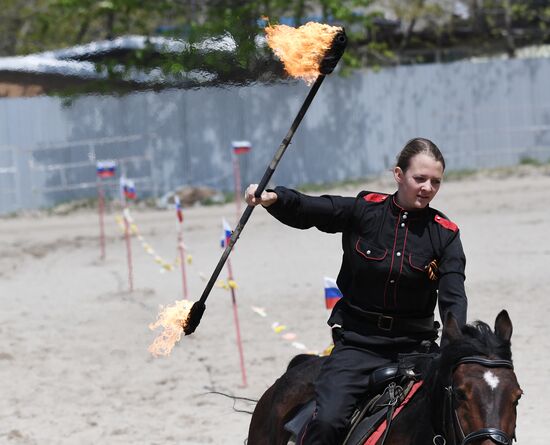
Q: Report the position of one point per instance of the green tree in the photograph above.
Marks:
(421, 30)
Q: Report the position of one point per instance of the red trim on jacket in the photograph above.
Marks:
(392, 261)
(401, 266)
(375, 197)
(446, 223)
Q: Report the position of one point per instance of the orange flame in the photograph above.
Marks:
(171, 318)
(301, 49)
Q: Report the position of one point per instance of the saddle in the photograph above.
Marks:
(387, 388)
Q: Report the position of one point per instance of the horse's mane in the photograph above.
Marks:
(477, 340)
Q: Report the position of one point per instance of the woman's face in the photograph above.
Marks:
(420, 183)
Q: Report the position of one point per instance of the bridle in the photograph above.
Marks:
(496, 435)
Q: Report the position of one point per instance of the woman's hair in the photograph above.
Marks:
(416, 146)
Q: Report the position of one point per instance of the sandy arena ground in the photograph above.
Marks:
(74, 366)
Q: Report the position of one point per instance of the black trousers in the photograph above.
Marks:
(340, 386)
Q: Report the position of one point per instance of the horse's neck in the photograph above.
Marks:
(429, 410)
(414, 426)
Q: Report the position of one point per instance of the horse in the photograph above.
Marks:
(468, 394)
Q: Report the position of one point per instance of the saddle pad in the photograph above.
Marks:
(296, 424)
(377, 434)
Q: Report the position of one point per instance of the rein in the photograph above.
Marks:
(496, 435)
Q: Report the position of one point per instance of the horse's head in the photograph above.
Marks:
(481, 388)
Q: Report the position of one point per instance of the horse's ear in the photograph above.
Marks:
(451, 330)
(503, 326)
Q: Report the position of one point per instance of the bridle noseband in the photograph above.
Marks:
(494, 434)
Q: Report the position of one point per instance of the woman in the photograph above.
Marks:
(401, 257)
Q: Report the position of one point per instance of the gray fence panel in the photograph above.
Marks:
(480, 114)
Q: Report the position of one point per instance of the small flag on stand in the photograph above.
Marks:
(128, 188)
(226, 234)
(332, 293)
(106, 169)
(179, 212)
(241, 147)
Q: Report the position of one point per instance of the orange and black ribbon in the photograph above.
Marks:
(433, 270)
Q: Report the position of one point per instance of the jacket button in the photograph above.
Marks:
(368, 252)
(404, 217)
(392, 281)
(402, 224)
(398, 253)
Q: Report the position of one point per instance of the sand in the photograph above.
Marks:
(74, 366)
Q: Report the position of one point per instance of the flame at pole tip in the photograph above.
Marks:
(172, 319)
(301, 49)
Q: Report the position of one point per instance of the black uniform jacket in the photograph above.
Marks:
(396, 262)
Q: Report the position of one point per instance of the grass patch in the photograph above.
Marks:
(527, 160)
(457, 175)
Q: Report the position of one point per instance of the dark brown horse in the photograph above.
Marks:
(469, 394)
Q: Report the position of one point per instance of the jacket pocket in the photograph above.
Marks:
(419, 263)
(369, 251)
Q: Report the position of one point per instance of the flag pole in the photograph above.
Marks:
(129, 254)
(236, 320)
(237, 178)
(128, 249)
(101, 211)
(181, 246)
(127, 217)
(104, 169)
(239, 149)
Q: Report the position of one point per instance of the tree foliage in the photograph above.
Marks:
(381, 32)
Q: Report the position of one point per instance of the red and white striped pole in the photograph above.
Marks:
(104, 169)
(226, 235)
(127, 221)
(181, 246)
(239, 148)
(237, 183)
(101, 212)
(128, 249)
(236, 320)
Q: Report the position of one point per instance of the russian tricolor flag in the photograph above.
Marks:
(128, 188)
(332, 293)
(106, 169)
(178, 208)
(241, 147)
(226, 234)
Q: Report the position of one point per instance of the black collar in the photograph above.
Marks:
(413, 214)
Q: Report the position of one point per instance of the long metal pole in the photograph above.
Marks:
(198, 307)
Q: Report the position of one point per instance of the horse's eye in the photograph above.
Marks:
(460, 395)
